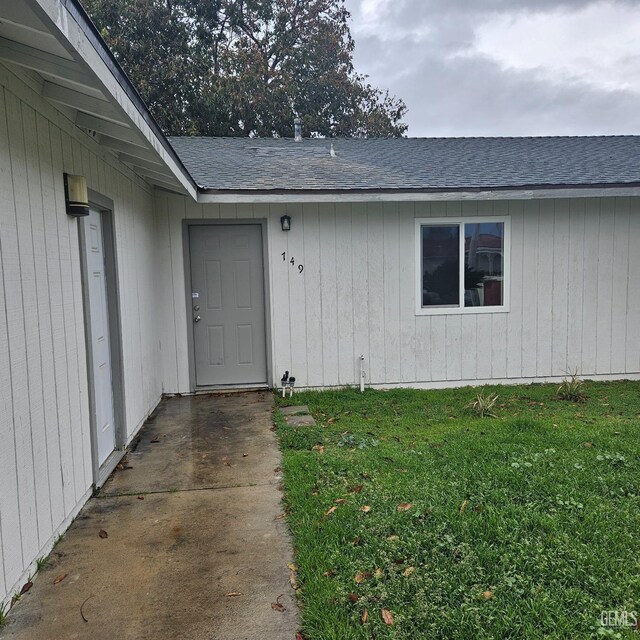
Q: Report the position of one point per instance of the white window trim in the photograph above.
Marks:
(461, 310)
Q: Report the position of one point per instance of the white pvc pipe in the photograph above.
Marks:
(362, 373)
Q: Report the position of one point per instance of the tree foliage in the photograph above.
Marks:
(246, 67)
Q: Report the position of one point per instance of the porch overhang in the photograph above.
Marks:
(55, 47)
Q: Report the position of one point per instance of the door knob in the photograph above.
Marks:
(197, 319)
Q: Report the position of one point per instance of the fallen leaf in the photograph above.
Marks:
(362, 576)
(408, 571)
(331, 420)
(365, 616)
(299, 636)
(354, 597)
(25, 587)
(319, 448)
(356, 489)
(405, 506)
(103, 534)
(140, 497)
(393, 538)
(155, 439)
(225, 462)
(60, 578)
(233, 594)
(487, 595)
(330, 573)
(463, 506)
(378, 573)
(340, 501)
(293, 581)
(356, 541)
(387, 616)
(276, 606)
(330, 511)
(292, 566)
(365, 508)
(478, 508)
(588, 444)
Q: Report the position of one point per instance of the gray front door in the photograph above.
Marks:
(227, 304)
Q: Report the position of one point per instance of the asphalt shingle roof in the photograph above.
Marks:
(441, 164)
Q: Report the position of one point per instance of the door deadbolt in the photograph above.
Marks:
(197, 319)
(196, 308)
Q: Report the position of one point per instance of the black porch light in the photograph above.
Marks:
(285, 223)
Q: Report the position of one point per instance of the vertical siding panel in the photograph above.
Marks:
(560, 292)
(469, 346)
(576, 277)
(605, 285)
(438, 337)
(329, 287)
(49, 266)
(483, 348)
(176, 213)
(375, 260)
(310, 257)
(166, 324)
(453, 343)
(423, 323)
(408, 302)
(280, 302)
(41, 335)
(391, 257)
(514, 272)
(345, 295)
(359, 257)
(58, 274)
(544, 296)
(621, 278)
(20, 306)
(298, 284)
(530, 287)
(68, 247)
(10, 550)
(499, 337)
(633, 295)
(590, 286)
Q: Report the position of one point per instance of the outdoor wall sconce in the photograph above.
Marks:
(76, 196)
(285, 223)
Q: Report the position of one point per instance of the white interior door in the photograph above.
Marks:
(98, 339)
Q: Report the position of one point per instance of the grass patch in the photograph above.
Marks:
(522, 525)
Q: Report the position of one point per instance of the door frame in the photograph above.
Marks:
(105, 206)
(200, 222)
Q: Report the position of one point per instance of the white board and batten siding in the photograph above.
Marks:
(574, 293)
(45, 450)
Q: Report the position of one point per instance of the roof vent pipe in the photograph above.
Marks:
(297, 124)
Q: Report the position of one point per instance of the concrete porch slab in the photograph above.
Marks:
(172, 558)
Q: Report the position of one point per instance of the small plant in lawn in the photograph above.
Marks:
(483, 403)
(3, 614)
(40, 563)
(572, 388)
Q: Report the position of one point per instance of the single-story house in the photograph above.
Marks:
(213, 263)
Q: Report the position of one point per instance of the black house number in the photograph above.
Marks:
(292, 262)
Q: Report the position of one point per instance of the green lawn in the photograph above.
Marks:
(523, 525)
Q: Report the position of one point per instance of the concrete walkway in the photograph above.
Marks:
(187, 541)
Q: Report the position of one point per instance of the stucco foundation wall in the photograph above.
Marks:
(45, 453)
(574, 293)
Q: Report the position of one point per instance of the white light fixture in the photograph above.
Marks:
(76, 195)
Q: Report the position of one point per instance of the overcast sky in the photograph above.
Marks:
(505, 67)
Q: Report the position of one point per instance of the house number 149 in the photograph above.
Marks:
(292, 262)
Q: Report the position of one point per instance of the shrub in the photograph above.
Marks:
(483, 404)
(572, 388)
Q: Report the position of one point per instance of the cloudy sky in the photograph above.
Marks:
(505, 67)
